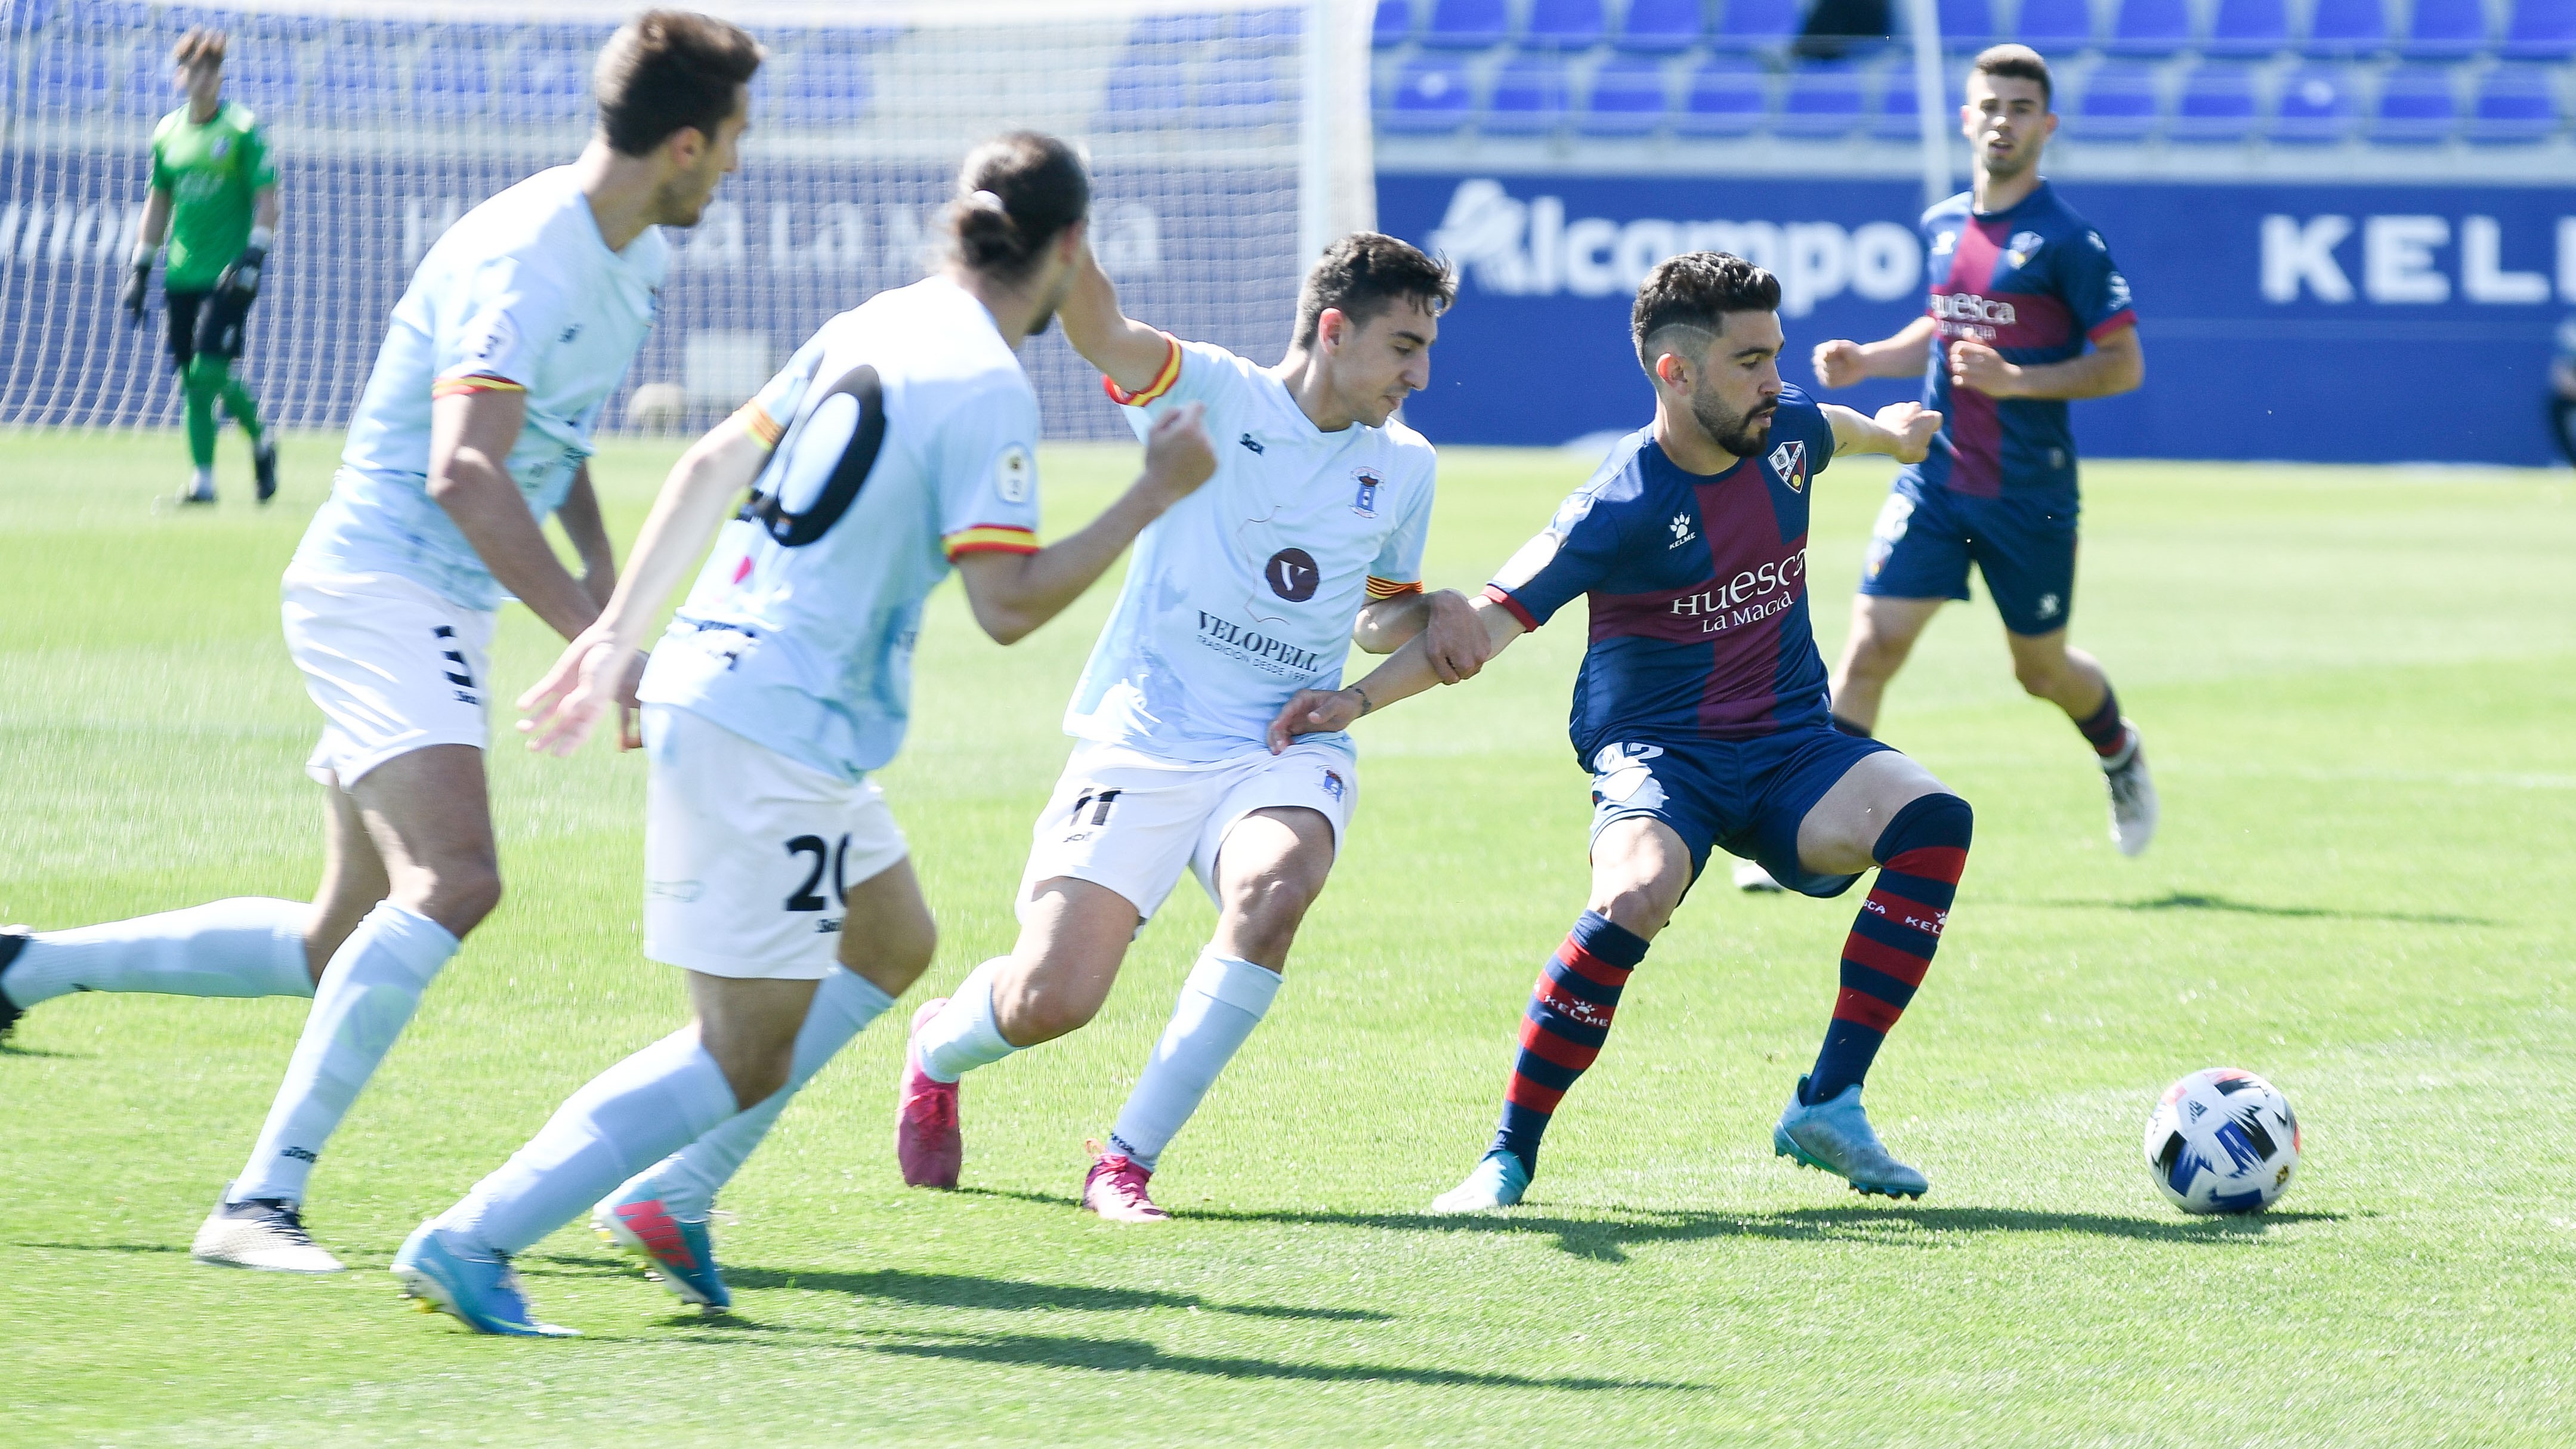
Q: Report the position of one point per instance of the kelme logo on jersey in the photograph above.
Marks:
(1364, 502)
(1789, 461)
(1292, 575)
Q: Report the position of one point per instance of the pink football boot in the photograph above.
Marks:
(1115, 1189)
(926, 1139)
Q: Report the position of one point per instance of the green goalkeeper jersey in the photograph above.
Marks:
(213, 173)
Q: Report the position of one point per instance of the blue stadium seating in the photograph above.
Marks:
(1466, 24)
(2516, 104)
(2446, 29)
(1240, 91)
(1728, 96)
(1394, 24)
(2118, 103)
(1529, 96)
(2347, 27)
(1757, 25)
(2249, 27)
(450, 79)
(1629, 97)
(2316, 107)
(1431, 95)
(77, 74)
(1966, 25)
(550, 82)
(2217, 106)
(2415, 107)
(1144, 94)
(1661, 26)
(2151, 27)
(262, 76)
(25, 18)
(1821, 102)
(147, 90)
(1566, 24)
(2542, 30)
(352, 80)
(2054, 26)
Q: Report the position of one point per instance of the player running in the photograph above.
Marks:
(904, 433)
(473, 428)
(2019, 284)
(214, 194)
(1308, 539)
(1701, 712)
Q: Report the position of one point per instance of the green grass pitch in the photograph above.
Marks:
(2356, 686)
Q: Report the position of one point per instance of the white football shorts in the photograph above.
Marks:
(747, 853)
(393, 666)
(1132, 822)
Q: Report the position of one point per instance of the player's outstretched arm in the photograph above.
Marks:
(1013, 593)
(1845, 363)
(588, 533)
(1407, 672)
(1902, 431)
(2117, 364)
(1443, 619)
(603, 663)
(1126, 351)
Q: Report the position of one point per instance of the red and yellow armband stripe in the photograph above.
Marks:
(989, 538)
(472, 383)
(1379, 588)
(756, 421)
(1169, 374)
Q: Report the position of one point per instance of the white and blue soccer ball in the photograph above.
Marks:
(2222, 1141)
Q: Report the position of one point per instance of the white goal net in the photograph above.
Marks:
(1228, 141)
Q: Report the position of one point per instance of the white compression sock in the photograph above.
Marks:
(964, 1036)
(688, 1180)
(366, 997)
(631, 1115)
(247, 946)
(1224, 998)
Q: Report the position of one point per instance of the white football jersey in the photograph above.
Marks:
(521, 294)
(1245, 592)
(905, 435)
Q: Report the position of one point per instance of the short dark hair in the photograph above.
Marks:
(2020, 62)
(1015, 195)
(1363, 274)
(201, 44)
(1698, 289)
(670, 70)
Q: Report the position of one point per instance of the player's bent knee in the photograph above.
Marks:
(1939, 820)
(457, 897)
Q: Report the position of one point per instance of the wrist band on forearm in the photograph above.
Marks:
(1365, 706)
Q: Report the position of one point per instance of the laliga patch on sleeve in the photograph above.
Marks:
(1014, 474)
(497, 337)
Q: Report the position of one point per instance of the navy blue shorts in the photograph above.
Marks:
(1744, 796)
(2025, 547)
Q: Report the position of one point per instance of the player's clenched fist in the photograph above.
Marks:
(1839, 363)
(1974, 364)
(1315, 712)
(1178, 455)
(1914, 426)
(1454, 637)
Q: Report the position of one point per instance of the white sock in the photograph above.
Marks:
(688, 1180)
(247, 946)
(964, 1036)
(1224, 998)
(366, 997)
(202, 480)
(628, 1117)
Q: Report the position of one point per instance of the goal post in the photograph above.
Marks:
(1228, 141)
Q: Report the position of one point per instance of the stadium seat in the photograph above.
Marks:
(1756, 25)
(2445, 29)
(1821, 102)
(2249, 27)
(2119, 103)
(76, 73)
(25, 18)
(1529, 96)
(1629, 97)
(1173, 29)
(2055, 28)
(1394, 24)
(1240, 91)
(451, 79)
(2217, 106)
(2316, 107)
(1728, 96)
(1275, 31)
(1566, 24)
(2151, 27)
(1144, 94)
(2516, 104)
(1465, 24)
(352, 80)
(147, 89)
(549, 82)
(2541, 30)
(2416, 107)
(2347, 27)
(261, 75)
(1430, 96)
(1966, 25)
(1661, 26)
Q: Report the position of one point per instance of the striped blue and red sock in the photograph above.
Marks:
(1920, 856)
(2103, 729)
(1568, 1019)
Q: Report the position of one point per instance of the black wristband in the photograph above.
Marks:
(1365, 705)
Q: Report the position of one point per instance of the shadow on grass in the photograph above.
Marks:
(12, 1049)
(1128, 1355)
(958, 1290)
(2198, 901)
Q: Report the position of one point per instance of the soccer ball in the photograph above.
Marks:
(657, 407)
(2222, 1141)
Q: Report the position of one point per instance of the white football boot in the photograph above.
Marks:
(2133, 794)
(262, 1233)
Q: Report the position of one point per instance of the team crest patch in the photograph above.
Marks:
(1789, 461)
(1333, 785)
(2024, 246)
(1012, 474)
(1364, 502)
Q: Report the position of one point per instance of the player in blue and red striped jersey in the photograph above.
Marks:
(2020, 285)
(1701, 711)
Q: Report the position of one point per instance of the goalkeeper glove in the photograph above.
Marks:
(240, 281)
(137, 281)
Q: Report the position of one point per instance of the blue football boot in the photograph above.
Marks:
(1835, 1136)
(1496, 1182)
(483, 1293)
(681, 1254)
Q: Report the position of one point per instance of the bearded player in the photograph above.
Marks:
(2020, 285)
(1701, 712)
(1308, 539)
(474, 428)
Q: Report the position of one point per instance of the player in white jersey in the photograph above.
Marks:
(1308, 539)
(904, 437)
(473, 428)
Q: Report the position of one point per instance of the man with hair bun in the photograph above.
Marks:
(1701, 713)
(1308, 540)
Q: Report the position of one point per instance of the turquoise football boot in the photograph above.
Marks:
(481, 1292)
(1835, 1136)
(680, 1254)
(1496, 1182)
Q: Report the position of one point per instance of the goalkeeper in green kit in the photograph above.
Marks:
(214, 193)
